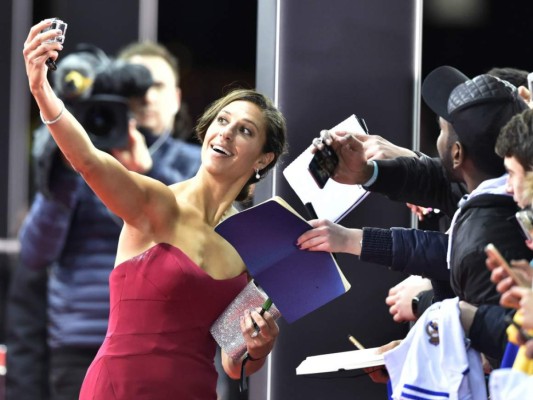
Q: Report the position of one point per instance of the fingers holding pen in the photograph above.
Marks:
(260, 331)
(257, 326)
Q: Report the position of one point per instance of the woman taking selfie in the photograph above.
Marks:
(173, 274)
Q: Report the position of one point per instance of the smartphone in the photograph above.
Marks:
(525, 220)
(325, 161)
(492, 252)
(62, 26)
(57, 24)
(323, 165)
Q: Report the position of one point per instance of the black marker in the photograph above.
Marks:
(311, 210)
(265, 307)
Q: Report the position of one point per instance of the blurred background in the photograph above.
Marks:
(215, 41)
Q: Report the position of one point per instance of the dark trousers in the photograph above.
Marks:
(27, 354)
(67, 371)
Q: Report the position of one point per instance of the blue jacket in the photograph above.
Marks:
(71, 232)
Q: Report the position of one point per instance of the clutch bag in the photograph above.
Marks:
(227, 328)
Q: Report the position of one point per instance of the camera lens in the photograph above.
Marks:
(100, 120)
(105, 118)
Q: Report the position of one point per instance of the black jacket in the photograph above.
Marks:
(485, 218)
(422, 181)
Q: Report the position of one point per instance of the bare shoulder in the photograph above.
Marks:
(158, 213)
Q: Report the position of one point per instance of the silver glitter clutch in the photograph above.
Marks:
(227, 328)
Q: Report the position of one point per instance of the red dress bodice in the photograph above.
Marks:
(158, 344)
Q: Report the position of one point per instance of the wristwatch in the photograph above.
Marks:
(414, 305)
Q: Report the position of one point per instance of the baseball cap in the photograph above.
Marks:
(476, 108)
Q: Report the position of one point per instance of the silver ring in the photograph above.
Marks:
(325, 135)
(254, 334)
(317, 141)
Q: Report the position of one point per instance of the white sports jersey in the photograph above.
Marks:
(508, 384)
(435, 361)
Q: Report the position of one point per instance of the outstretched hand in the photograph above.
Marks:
(522, 299)
(353, 167)
(355, 150)
(380, 374)
(419, 211)
(379, 148)
(38, 48)
(500, 276)
(400, 297)
(331, 237)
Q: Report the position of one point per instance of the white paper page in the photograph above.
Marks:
(346, 360)
(335, 200)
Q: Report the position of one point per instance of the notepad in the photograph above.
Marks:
(297, 281)
(342, 361)
(335, 200)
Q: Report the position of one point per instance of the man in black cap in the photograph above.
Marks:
(471, 113)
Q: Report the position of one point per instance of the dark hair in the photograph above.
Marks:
(516, 139)
(518, 77)
(276, 141)
(151, 49)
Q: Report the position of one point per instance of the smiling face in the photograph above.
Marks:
(234, 142)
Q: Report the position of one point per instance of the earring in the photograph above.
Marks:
(257, 176)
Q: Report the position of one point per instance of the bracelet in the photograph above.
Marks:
(374, 176)
(256, 359)
(243, 386)
(53, 121)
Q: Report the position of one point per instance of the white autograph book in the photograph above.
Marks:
(343, 361)
(335, 200)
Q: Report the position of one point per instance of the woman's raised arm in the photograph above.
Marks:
(126, 193)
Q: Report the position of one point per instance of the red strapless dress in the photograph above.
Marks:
(158, 344)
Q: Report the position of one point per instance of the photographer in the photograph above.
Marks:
(68, 231)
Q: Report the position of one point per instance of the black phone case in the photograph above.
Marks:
(325, 161)
(323, 165)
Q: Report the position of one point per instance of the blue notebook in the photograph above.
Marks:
(297, 281)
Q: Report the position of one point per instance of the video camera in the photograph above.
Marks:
(96, 90)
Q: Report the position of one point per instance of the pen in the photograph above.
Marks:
(355, 342)
(265, 307)
(363, 124)
(311, 210)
